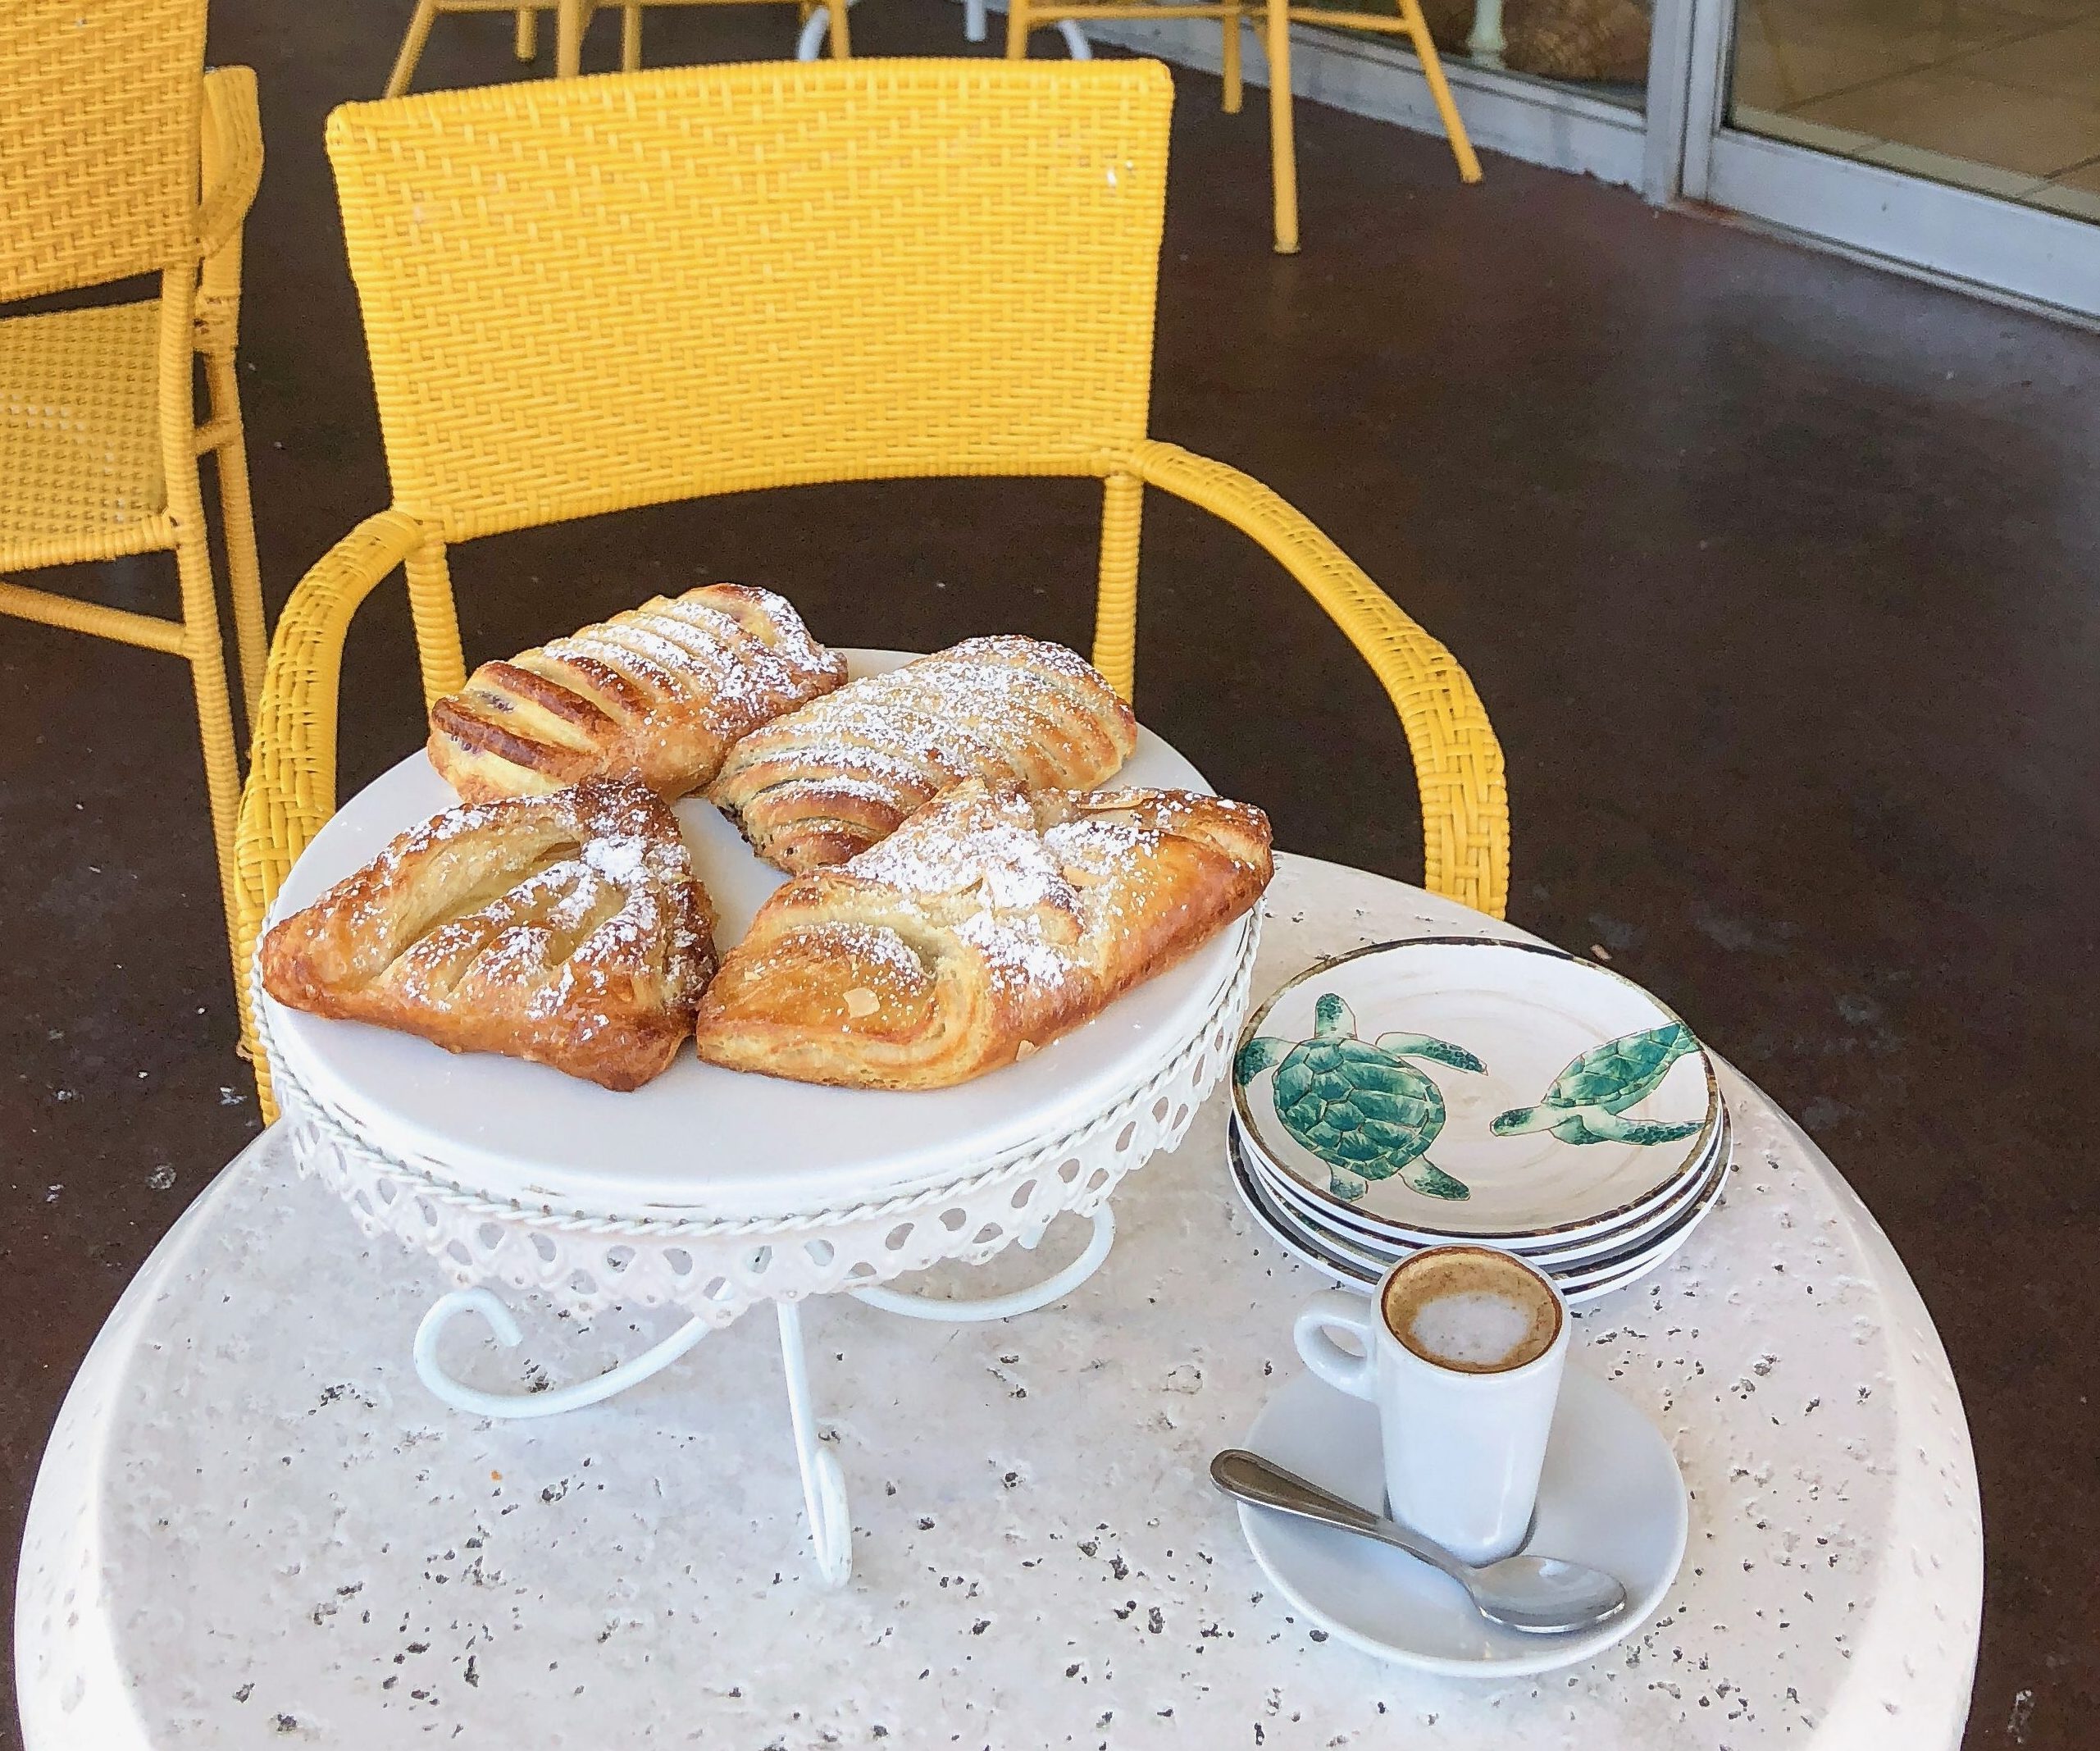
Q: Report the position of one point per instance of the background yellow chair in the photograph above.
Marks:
(1024, 16)
(109, 129)
(772, 276)
(572, 19)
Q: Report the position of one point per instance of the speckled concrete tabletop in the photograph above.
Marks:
(254, 1527)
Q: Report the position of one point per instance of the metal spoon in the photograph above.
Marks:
(1540, 1595)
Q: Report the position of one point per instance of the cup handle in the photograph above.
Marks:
(1334, 1310)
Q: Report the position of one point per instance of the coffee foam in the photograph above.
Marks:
(1471, 1309)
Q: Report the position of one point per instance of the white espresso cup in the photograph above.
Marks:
(1463, 1349)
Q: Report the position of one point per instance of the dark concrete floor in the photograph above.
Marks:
(1777, 575)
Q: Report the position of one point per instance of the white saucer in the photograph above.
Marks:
(1610, 1495)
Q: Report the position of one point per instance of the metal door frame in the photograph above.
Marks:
(1978, 241)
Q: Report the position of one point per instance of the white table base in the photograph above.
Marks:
(255, 1527)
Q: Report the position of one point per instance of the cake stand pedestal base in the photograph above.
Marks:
(823, 1484)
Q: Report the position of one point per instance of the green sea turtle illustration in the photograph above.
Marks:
(1361, 1108)
(1586, 1101)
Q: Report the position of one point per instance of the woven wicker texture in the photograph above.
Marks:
(1458, 762)
(611, 292)
(118, 156)
(79, 433)
(98, 103)
(617, 291)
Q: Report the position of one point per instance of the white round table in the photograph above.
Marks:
(253, 1525)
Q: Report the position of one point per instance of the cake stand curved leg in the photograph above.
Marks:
(823, 1483)
(476, 1402)
(1003, 1307)
(815, 28)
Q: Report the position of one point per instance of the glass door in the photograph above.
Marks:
(1961, 137)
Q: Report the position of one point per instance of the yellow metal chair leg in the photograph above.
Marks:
(1235, 91)
(1432, 70)
(1282, 143)
(630, 40)
(437, 622)
(1115, 607)
(1017, 30)
(526, 44)
(569, 17)
(237, 511)
(841, 36)
(411, 47)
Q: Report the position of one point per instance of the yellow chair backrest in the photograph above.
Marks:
(583, 296)
(98, 140)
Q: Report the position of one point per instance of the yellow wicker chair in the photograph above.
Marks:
(612, 292)
(1024, 16)
(572, 19)
(109, 127)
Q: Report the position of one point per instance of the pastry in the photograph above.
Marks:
(824, 783)
(567, 929)
(659, 693)
(987, 925)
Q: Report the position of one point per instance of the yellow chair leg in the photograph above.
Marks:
(214, 716)
(411, 47)
(437, 622)
(526, 44)
(236, 510)
(630, 40)
(1115, 607)
(1234, 92)
(569, 17)
(1017, 30)
(840, 33)
(1283, 143)
(1432, 70)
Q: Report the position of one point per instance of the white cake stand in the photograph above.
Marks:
(709, 1191)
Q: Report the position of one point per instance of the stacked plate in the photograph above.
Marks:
(1414, 1094)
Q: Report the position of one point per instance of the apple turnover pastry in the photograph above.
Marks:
(823, 783)
(990, 922)
(660, 693)
(567, 929)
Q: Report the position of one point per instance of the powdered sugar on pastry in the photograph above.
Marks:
(993, 919)
(565, 929)
(825, 783)
(659, 693)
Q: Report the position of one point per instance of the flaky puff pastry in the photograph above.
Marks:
(825, 781)
(989, 923)
(660, 693)
(567, 929)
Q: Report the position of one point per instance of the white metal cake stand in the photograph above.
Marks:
(710, 1191)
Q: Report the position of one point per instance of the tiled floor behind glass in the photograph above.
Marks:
(2003, 97)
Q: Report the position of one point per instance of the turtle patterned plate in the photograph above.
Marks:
(1453, 1088)
(1352, 1267)
(1653, 1220)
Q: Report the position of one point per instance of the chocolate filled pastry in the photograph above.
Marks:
(567, 929)
(825, 783)
(989, 923)
(660, 693)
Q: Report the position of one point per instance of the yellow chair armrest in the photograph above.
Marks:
(1458, 763)
(232, 172)
(291, 779)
